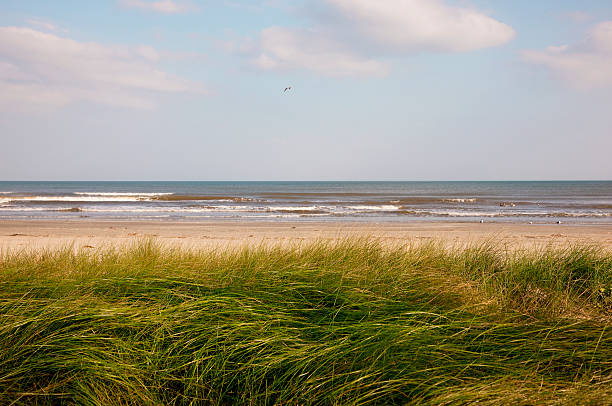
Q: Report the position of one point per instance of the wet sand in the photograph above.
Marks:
(35, 234)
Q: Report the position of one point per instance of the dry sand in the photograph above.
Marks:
(34, 234)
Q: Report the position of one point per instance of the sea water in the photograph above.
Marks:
(537, 202)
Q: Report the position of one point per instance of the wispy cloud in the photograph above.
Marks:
(43, 69)
(353, 37)
(579, 17)
(159, 6)
(43, 24)
(586, 64)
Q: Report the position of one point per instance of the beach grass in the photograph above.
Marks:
(349, 322)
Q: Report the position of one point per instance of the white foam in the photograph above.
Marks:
(13, 208)
(459, 200)
(86, 202)
(126, 194)
(84, 198)
(453, 213)
(384, 207)
(300, 208)
(176, 209)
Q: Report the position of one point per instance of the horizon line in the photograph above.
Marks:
(315, 180)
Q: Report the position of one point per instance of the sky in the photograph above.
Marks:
(380, 90)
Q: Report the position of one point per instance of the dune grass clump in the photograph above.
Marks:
(350, 322)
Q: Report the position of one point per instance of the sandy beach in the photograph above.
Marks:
(35, 234)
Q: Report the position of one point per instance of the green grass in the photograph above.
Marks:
(347, 323)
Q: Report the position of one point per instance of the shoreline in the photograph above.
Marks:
(86, 233)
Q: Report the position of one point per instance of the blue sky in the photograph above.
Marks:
(381, 90)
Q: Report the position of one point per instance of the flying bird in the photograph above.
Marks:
(287, 88)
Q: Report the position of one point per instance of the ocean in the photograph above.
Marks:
(520, 202)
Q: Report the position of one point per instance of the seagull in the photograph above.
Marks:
(287, 88)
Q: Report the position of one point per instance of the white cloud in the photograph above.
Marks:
(587, 64)
(350, 36)
(284, 49)
(601, 37)
(45, 69)
(408, 25)
(160, 6)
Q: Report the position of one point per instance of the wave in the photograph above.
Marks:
(124, 197)
(460, 200)
(20, 208)
(385, 207)
(451, 213)
(303, 208)
(297, 195)
(70, 210)
(172, 197)
(83, 197)
(305, 212)
(411, 201)
(119, 194)
(421, 201)
(246, 210)
(392, 200)
(211, 209)
(600, 206)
